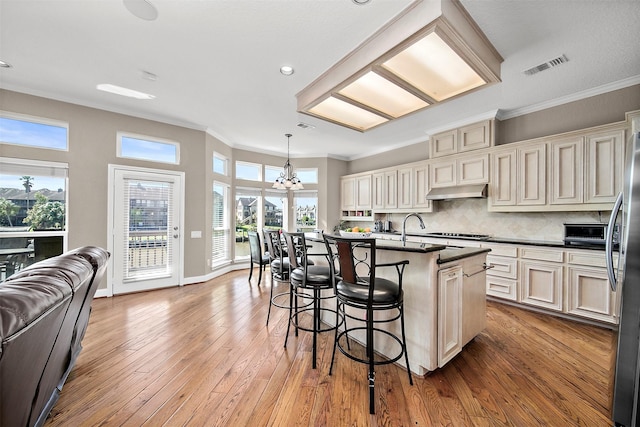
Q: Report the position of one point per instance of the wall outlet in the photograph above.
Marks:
(196, 234)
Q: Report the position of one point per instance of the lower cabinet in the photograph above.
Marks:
(569, 281)
(449, 313)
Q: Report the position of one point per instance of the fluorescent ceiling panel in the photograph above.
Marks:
(433, 67)
(379, 93)
(347, 114)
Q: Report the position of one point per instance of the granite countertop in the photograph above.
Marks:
(547, 243)
(447, 254)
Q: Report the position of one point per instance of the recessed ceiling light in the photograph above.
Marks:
(143, 9)
(4, 64)
(286, 70)
(361, 2)
(118, 90)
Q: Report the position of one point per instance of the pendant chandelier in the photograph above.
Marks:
(288, 180)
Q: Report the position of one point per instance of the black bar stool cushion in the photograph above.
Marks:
(385, 291)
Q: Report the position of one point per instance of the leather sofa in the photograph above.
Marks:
(44, 312)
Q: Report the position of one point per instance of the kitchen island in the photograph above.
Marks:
(444, 299)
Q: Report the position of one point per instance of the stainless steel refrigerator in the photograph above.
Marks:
(625, 276)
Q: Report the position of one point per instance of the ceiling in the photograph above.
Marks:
(217, 62)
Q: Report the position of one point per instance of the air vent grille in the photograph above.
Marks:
(545, 66)
(305, 125)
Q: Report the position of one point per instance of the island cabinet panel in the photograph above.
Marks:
(449, 314)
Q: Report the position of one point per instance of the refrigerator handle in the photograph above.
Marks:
(609, 242)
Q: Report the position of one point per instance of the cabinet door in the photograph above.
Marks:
(502, 190)
(566, 172)
(604, 167)
(363, 192)
(390, 189)
(475, 136)
(590, 294)
(421, 187)
(449, 314)
(532, 179)
(443, 144)
(405, 188)
(377, 192)
(443, 173)
(472, 170)
(348, 194)
(541, 284)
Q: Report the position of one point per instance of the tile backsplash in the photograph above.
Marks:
(471, 216)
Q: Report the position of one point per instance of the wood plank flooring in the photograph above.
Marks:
(201, 355)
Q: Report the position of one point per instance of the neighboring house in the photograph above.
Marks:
(22, 199)
(247, 210)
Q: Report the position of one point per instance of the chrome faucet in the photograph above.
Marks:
(404, 226)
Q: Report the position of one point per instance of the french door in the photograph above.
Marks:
(146, 223)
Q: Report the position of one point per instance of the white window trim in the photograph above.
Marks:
(38, 120)
(120, 135)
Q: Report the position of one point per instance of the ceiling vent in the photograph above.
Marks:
(302, 125)
(545, 66)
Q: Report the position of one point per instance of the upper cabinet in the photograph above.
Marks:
(356, 196)
(459, 170)
(402, 189)
(471, 137)
(577, 171)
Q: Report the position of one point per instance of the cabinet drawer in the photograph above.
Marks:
(591, 258)
(502, 288)
(542, 254)
(502, 266)
(501, 250)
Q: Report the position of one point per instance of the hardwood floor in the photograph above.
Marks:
(201, 355)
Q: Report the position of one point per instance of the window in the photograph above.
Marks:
(271, 173)
(28, 131)
(220, 224)
(248, 171)
(248, 211)
(33, 205)
(150, 149)
(220, 164)
(308, 175)
(305, 208)
(274, 208)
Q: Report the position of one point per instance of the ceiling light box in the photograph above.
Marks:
(405, 67)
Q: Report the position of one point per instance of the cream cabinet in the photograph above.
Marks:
(449, 313)
(604, 166)
(566, 171)
(518, 178)
(460, 170)
(356, 196)
(385, 190)
(502, 276)
(466, 138)
(377, 191)
(405, 188)
(421, 187)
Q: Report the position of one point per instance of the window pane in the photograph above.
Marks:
(307, 176)
(271, 173)
(248, 210)
(143, 149)
(306, 209)
(32, 197)
(219, 164)
(220, 225)
(274, 203)
(33, 134)
(248, 171)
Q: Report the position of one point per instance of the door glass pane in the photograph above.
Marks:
(248, 210)
(148, 246)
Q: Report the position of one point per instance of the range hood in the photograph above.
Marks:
(458, 192)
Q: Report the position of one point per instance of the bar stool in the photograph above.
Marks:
(354, 271)
(258, 256)
(308, 281)
(279, 267)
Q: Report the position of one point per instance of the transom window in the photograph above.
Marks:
(146, 148)
(220, 164)
(307, 175)
(248, 171)
(29, 131)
